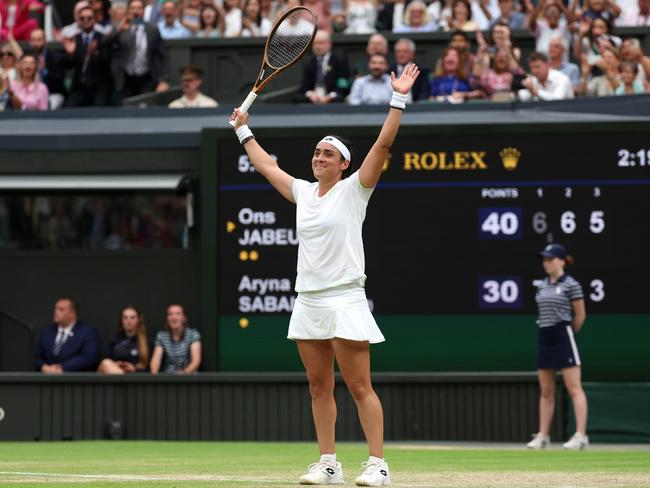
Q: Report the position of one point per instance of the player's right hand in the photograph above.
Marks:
(239, 118)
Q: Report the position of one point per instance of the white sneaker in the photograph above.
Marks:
(322, 473)
(577, 442)
(540, 441)
(374, 474)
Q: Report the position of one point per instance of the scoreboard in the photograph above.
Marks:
(451, 240)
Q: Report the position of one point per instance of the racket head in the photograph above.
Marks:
(290, 38)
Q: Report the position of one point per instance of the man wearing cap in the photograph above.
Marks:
(192, 78)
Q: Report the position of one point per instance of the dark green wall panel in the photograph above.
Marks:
(266, 407)
(613, 347)
(618, 412)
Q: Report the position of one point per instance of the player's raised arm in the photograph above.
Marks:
(371, 167)
(263, 162)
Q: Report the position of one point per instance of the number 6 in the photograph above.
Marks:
(568, 222)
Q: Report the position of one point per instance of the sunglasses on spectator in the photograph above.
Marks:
(86, 18)
(6, 53)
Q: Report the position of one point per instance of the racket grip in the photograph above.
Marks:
(248, 102)
(243, 108)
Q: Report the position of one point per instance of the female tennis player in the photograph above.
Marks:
(561, 314)
(331, 319)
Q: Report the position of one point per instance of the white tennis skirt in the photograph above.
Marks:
(339, 312)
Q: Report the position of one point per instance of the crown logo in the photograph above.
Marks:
(510, 157)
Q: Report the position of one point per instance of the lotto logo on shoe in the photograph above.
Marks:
(322, 473)
(374, 474)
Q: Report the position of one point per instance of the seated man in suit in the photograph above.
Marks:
(325, 75)
(67, 344)
(404, 54)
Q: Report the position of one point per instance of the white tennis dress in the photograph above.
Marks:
(331, 298)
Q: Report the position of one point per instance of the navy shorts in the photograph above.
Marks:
(557, 347)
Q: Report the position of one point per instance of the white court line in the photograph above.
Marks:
(137, 477)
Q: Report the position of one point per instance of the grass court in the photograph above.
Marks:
(114, 464)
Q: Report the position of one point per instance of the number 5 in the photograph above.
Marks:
(597, 221)
(243, 164)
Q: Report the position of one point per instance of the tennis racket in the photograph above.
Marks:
(289, 40)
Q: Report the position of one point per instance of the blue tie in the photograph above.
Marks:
(320, 73)
(58, 342)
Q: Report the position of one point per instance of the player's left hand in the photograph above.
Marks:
(404, 83)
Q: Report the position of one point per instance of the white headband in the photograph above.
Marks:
(338, 145)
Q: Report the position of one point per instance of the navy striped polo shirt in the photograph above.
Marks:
(554, 300)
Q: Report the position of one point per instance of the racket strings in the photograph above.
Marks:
(290, 39)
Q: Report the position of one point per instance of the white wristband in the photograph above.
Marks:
(398, 100)
(244, 132)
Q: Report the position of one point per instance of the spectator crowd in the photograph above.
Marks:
(70, 345)
(114, 50)
(115, 222)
